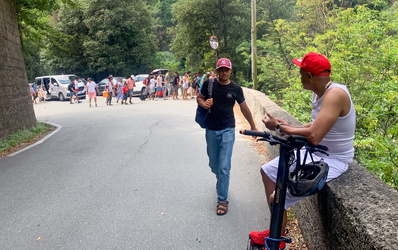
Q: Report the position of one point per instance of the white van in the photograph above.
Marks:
(57, 86)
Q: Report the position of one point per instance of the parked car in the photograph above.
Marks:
(101, 84)
(57, 86)
(139, 85)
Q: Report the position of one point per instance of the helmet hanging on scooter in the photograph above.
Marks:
(308, 179)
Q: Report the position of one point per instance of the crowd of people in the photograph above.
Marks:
(158, 86)
(187, 86)
(37, 93)
(121, 90)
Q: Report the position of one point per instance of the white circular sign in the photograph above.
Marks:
(213, 42)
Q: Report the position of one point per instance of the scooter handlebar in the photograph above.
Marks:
(255, 133)
(278, 139)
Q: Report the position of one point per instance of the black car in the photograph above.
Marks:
(157, 71)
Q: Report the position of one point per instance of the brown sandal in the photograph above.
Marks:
(222, 207)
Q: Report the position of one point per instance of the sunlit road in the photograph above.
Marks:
(126, 177)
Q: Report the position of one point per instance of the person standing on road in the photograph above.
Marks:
(333, 125)
(195, 85)
(72, 91)
(48, 88)
(113, 80)
(185, 82)
(125, 91)
(220, 126)
(175, 83)
(119, 90)
(92, 89)
(131, 84)
(159, 85)
(32, 93)
(40, 94)
(109, 90)
(152, 88)
(44, 94)
(34, 87)
(76, 82)
(166, 88)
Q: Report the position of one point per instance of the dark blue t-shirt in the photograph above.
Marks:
(221, 114)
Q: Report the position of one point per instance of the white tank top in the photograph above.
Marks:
(340, 138)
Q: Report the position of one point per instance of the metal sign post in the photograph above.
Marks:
(254, 45)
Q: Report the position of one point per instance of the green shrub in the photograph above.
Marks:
(24, 136)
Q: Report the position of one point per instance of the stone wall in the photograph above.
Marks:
(355, 211)
(16, 110)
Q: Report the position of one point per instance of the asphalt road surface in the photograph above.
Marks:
(126, 177)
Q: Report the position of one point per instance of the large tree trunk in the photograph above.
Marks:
(16, 109)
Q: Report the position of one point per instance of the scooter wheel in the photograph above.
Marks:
(253, 246)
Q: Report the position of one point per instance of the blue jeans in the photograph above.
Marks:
(219, 149)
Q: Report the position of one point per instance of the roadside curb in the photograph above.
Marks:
(58, 128)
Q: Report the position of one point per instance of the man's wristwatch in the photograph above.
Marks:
(278, 128)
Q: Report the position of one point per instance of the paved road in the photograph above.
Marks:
(126, 177)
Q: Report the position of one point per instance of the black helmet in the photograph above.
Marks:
(308, 179)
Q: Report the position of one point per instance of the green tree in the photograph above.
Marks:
(197, 20)
(270, 10)
(365, 54)
(104, 37)
(163, 21)
(361, 43)
(34, 17)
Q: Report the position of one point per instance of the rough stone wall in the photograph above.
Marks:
(16, 109)
(355, 211)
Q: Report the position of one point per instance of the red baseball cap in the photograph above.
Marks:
(224, 62)
(314, 63)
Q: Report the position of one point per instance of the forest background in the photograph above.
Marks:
(95, 38)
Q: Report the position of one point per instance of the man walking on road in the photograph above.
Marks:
(92, 91)
(73, 92)
(130, 84)
(109, 88)
(220, 126)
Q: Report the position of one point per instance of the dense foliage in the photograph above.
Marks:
(361, 43)
(197, 20)
(34, 17)
(360, 37)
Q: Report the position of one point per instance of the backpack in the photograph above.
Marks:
(71, 87)
(202, 113)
